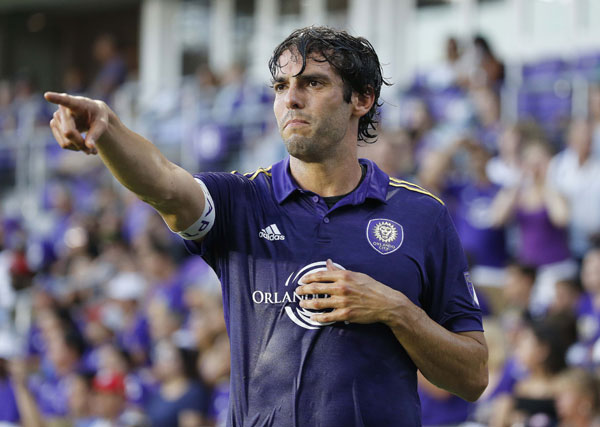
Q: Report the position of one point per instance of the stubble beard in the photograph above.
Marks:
(321, 145)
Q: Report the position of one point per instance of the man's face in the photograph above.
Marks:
(310, 109)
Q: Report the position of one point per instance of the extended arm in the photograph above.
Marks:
(456, 362)
(132, 159)
(503, 206)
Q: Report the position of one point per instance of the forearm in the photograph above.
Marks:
(503, 206)
(454, 362)
(142, 168)
(558, 209)
(28, 409)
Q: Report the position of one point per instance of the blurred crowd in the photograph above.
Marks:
(106, 320)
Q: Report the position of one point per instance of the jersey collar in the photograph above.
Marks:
(374, 186)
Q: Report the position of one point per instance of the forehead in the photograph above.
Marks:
(290, 64)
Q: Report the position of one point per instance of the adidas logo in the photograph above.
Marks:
(271, 233)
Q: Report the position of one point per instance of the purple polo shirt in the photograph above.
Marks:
(287, 370)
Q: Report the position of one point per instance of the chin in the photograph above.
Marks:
(302, 148)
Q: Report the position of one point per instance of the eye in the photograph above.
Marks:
(278, 87)
(314, 83)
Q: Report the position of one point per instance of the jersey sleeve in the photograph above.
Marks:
(450, 296)
(228, 193)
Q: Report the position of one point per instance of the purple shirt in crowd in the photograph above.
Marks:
(8, 406)
(470, 205)
(287, 370)
(443, 412)
(542, 243)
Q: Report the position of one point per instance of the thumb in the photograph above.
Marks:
(97, 128)
(331, 266)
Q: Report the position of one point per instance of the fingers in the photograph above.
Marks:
(318, 288)
(331, 266)
(328, 275)
(65, 132)
(68, 127)
(96, 130)
(69, 101)
(337, 315)
(323, 303)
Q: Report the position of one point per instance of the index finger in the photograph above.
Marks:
(64, 99)
(317, 288)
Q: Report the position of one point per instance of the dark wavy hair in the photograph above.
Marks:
(353, 58)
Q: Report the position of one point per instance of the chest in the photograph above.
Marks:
(290, 241)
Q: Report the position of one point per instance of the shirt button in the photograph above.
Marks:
(315, 199)
(326, 220)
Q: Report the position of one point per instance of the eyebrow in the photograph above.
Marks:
(303, 77)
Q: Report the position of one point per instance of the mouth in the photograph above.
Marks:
(295, 123)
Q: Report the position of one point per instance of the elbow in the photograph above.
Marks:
(477, 387)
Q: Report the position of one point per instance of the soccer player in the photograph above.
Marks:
(339, 282)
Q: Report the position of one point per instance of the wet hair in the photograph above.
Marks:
(353, 58)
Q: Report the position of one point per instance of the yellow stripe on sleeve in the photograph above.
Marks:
(413, 187)
(253, 175)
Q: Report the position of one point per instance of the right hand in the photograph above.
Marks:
(75, 115)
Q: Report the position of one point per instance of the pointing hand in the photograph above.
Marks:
(74, 116)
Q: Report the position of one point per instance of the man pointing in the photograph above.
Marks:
(339, 282)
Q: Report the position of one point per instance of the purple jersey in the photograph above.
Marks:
(287, 370)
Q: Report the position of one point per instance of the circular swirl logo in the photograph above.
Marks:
(301, 316)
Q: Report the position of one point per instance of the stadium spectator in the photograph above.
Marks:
(109, 400)
(439, 407)
(519, 282)
(505, 168)
(458, 174)
(7, 118)
(486, 70)
(541, 350)
(113, 70)
(541, 215)
(9, 409)
(215, 367)
(124, 315)
(486, 105)
(594, 115)
(394, 153)
(584, 353)
(567, 297)
(451, 72)
(180, 398)
(80, 400)
(578, 399)
(575, 173)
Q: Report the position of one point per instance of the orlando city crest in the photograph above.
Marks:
(385, 235)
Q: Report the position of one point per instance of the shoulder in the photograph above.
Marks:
(406, 192)
(234, 178)
(258, 174)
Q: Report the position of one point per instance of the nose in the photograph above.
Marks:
(294, 98)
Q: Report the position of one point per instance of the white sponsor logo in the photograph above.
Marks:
(271, 233)
(300, 316)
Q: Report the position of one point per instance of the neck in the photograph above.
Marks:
(332, 177)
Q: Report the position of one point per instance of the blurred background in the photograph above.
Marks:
(495, 107)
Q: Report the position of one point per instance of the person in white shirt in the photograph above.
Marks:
(576, 174)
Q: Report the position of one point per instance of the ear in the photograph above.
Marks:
(362, 103)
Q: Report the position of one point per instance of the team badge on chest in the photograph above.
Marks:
(385, 235)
